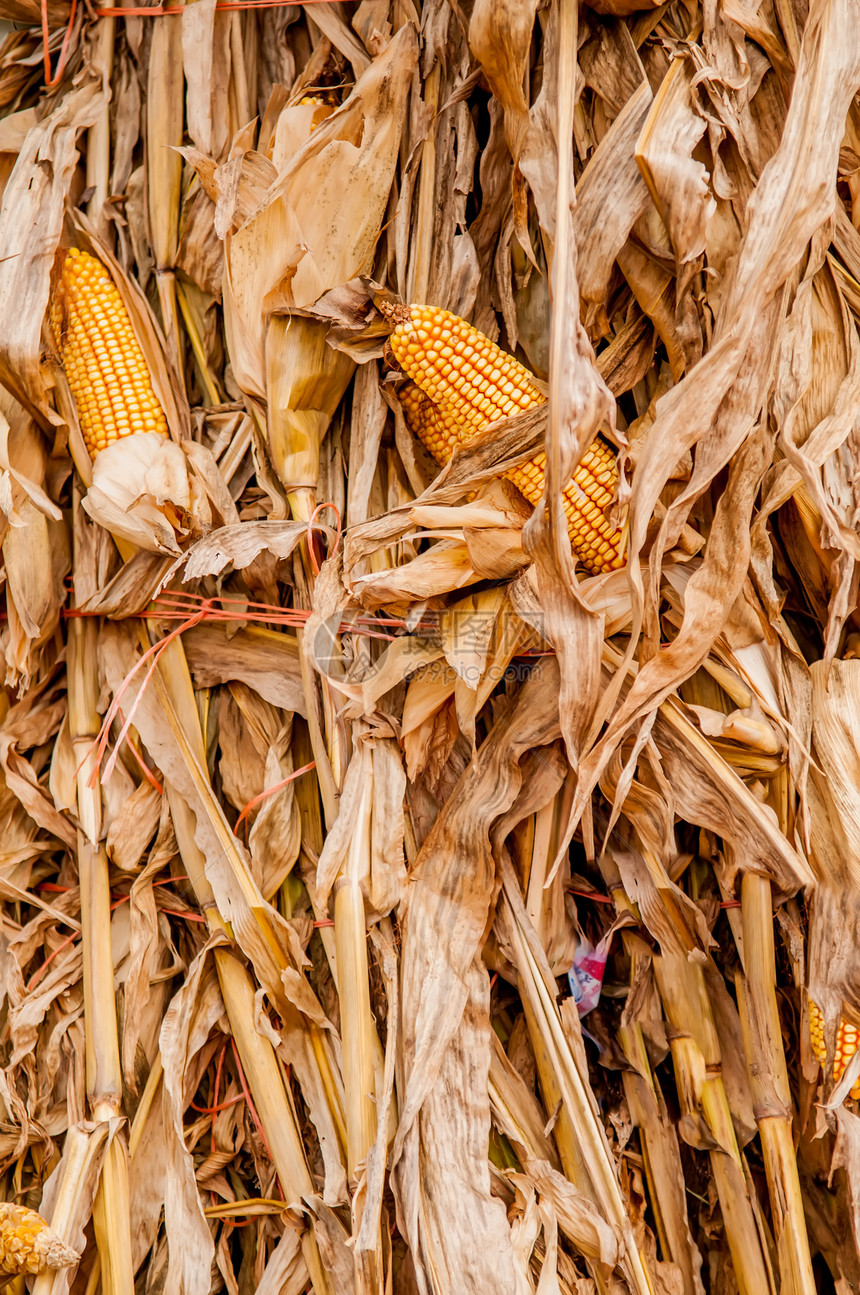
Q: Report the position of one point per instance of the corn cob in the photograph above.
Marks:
(461, 382)
(436, 432)
(847, 1042)
(28, 1245)
(107, 373)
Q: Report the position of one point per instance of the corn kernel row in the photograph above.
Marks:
(847, 1042)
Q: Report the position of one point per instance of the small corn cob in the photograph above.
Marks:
(461, 382)
(428, 421)
(847, 1042)
(28, 1245)
(107, 373)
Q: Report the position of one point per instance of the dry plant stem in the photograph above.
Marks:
(176, 693)
(79, 1148)
(270, 1097)
(165, 111)
(350, 932)
(563, 1130)
(574, 1096)
(111, 1219)
(307, 796)
(697, 1061)
(362, 1051)
(356, 1021)
(769, 1083)
(256, 1053)
(210, 386)
(156, 1074)
(568, 1146)
(361, 1047)
(173, 683)
(324, 773)
(98, 139)
(104, 1072)
(308, 800)
(422, 240)
(641, 1099)
(542, 855)
(166, 283)
(525, 1119)
(94, 1279)
(661, 1155)
(359, 1037)
(336, 740)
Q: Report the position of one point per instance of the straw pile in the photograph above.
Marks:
(390, 905)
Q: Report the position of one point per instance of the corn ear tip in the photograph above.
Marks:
(54, 1252)
(28, 1244)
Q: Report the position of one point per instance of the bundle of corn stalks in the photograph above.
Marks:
(430, 728)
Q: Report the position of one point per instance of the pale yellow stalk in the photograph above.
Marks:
(696, 1056)
(356, 1022)
(98, 136)
(763, 1044)
(104, 1072)
(425, 217)
(165, 113)
(538, 990)
(80, 1147)
(660, 1152)
(207, 377)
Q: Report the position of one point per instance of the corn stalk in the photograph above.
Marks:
(763, 1044)
(165, 115)
(98, 140)
(697, 1060)
(104, 1071)
(592, 1160)
(256, 1053)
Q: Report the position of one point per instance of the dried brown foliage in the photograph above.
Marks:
(319, 767)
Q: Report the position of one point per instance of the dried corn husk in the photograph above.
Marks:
(386, 903)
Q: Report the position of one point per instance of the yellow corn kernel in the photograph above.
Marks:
(426, 421)
(107, 374)
(28, 1245)
(847, 1042)
(467, 382)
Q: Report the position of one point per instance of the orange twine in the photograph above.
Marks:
(252, 1110)
(190, 609)
(64, 51)
(270, 791)
(152, 655)
(144, 767)
(321, 508)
